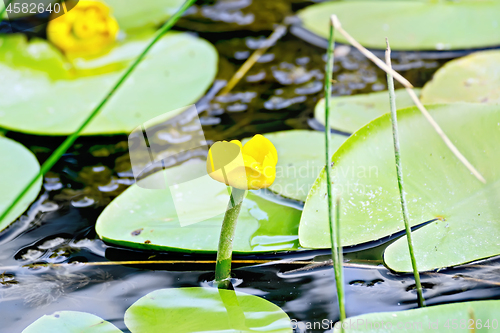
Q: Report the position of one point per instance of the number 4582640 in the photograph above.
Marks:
(471, 324)
(32, 8)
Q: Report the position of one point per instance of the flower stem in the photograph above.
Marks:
(334, 229)
(225, 250)
(399, 171)
(56, 155)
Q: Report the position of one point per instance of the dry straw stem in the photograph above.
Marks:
(270, 41)
(408, 86)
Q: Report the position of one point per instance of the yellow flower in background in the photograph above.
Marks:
(252, 166)
(87, 29)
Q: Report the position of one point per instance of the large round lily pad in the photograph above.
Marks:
(149, 219)
(301, 156)
(350, 113)
(17, 167)
(474, 78)
(71, 322)
(43, 94)
(480, 316)
(410, 25)
(438, 187)
(132, 14)
(187, 310)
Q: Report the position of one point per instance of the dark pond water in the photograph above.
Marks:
(278, 93)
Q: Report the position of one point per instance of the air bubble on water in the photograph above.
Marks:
(48, 207)
(302, 60)
(109, 187)
(207, 121)
(237, 107)
(256, 77)
(32, 254)
(241, 55)
(268, 57)
(85, 202)
(190, 128)
(278, 103)
(174, 138)
(52, 243)
(53, 186)
(126, 181)
(98, 168)
(310, 88)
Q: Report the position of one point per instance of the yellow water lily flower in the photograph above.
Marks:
(87, 29)
(252, 166)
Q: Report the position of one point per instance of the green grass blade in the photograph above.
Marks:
(49, 163)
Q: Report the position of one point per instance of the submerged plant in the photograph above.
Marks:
(253, 167)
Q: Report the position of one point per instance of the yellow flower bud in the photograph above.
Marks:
(86, 30)
(251, 167)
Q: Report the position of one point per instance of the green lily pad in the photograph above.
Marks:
(443, 28)
(71, 322)
(438, 186)
(350, 113)
(186, 310)
(43, 95)
(150, 219)
(18, 167)
(457, 317)
(474, 78)
(132, 14)
(301, 156)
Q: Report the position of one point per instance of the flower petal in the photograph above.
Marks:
(258, 147)
(237, 142)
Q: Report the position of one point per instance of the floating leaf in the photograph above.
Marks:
(71, 322)
(187, 310)
(17, 167)
(42, 96)
(457, 317)
(147, 219)
(301, 155)
(350, 113)
(443, 28)
(438, 188)
(474, 78)
(132, 14)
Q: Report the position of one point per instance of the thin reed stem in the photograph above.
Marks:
(399, 172)
(338, 264)
(49, 163)
(334, 230)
